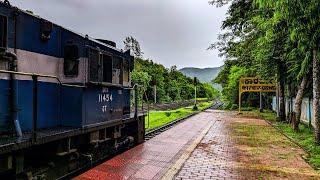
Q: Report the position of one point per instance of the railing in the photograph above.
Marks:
(35, 77)
(41, 75)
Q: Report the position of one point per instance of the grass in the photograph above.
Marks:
(202, 99)
(257, 135)
(258, 141)
(305, 137)
(159, 118)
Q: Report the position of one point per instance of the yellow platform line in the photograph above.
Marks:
(174, 169)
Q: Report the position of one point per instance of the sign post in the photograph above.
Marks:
(255, 84)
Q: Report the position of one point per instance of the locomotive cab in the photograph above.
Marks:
(62, 94)
(106, 75)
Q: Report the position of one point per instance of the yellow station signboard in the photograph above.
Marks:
(255, 84)
(252, 84)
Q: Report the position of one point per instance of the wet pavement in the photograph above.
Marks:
(211, 145)
(213, 157)
(245, 148)
(152, 159)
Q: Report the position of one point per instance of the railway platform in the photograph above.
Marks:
(210, 145)
(152, 159)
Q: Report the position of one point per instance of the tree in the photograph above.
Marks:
(283, 37)
(130, 43)
(303, 21)
(171, 84)
(237, 45)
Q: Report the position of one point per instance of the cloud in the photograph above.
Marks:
(172, 32)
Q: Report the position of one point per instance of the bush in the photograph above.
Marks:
(195, 108)
(168, 114)
(234, 106)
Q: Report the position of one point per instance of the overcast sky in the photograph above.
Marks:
(171, 32)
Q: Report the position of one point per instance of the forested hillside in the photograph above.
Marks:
(171, 85)
(204, 75)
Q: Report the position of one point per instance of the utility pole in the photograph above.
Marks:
(155, 93)
(261, 105)
(195, 95)
(195, 82)
(154, 83)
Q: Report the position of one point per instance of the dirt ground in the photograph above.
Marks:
(245, 148)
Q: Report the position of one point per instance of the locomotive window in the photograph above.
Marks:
(126, 72)
(107, 68)
(4, 65)
(71, 60)
(117, 70)
(95, 66)
(3, 31)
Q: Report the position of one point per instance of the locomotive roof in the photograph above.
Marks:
(40, 18)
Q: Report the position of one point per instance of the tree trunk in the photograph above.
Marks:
(291, 114)
(297, 105)
(316, 95)
(282, 110)
(281, 87)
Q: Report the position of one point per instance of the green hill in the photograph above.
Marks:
(204, 75)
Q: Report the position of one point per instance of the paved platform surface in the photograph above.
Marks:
(239, 147)
(152, 159)
(214, 155)
(211, 145)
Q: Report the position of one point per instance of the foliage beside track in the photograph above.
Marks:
(304, 137)
(273, 39)
(160, 118)
(171, 85)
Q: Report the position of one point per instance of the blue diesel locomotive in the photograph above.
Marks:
(64, 97)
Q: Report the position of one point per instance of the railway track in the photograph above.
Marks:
(152, 133)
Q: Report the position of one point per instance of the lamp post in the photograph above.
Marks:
(154, 83)
(155, 93)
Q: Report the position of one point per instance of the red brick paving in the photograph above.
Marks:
(152, 159)
(224, 154)
(221, 154)
(208, 159)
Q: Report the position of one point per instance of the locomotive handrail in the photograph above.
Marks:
(108, 84)
(131, 88)
(35, 96)
(41, 75)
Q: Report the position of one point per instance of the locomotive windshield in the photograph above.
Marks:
(95, 67)
(71, 63)
(107, 68)
(126, 74)
(117, 70)
(3, 40)
(3, 31)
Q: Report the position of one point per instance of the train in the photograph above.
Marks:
(66, 99)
